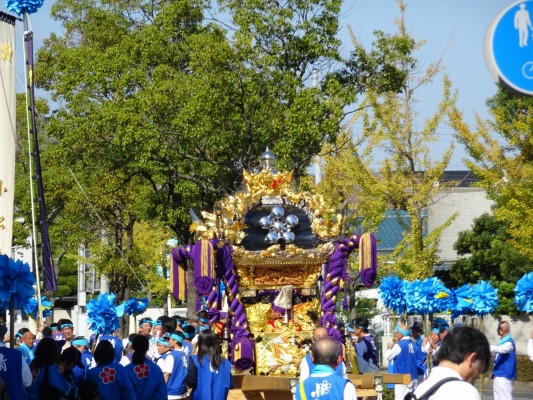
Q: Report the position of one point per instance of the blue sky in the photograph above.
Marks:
(452, 29)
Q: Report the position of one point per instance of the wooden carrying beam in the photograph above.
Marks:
(256, 383)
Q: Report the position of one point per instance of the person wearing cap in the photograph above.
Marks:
(82, 344)
(464, 355)
(504, 370)
(402, 353)
(365, 348)
(73, 370)
(307, 363)
(47, 371)
(418, 342)
(279, 314)
(111, 378)
(14, 370)
(439, 331)
(25, 340)
(175, 368)
(145, 376)
(324, 382)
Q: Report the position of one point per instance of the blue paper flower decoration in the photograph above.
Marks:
(15, 279)
(461, 300)
(392, 293)
(102, 314)
(21, 6)
(31, 307)
(484, 298)
(524, 293)
(132, 306)
(427, 296)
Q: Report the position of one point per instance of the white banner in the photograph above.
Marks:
(7, 130)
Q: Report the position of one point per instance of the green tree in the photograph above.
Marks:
(488, 255)
(160, 109)
(406, 176)
(501, 155)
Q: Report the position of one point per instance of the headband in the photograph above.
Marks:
(401, 330)
(203, 328)
(163, 341)
(204, 320)
(176, 337)
(80, 342)
(350, 329)
(19, 335)
(67, 326)
(189, 335)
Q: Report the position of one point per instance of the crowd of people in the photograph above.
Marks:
(170, 358)
(175, 358)
(458, 357)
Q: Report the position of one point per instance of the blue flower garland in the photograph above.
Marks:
(21, 6)
(427, 296)
(16, 280)
(524, 293)
(484, 298)
(132, 306)
(102, 314)
(461, 300)
(392, 293)
(31, 307)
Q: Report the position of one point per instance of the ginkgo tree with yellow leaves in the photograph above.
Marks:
(501, 155)
(383, 162)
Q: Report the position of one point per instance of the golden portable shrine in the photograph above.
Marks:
(270, 262)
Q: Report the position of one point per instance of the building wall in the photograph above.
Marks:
(469, 203)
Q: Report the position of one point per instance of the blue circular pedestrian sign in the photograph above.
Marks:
(509, 47)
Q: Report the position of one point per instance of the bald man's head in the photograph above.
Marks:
(320, 333)
(326, 351)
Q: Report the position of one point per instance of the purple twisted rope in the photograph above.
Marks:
(336, 270)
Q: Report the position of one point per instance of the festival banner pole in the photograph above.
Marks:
(29, 120)
(7, 130)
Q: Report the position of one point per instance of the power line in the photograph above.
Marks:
(103, 225)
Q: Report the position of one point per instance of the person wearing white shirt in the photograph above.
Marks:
(504, 371)
(307, 365)
(403, 354)
(463, 356)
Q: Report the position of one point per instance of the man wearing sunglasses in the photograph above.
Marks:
(504, 372)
